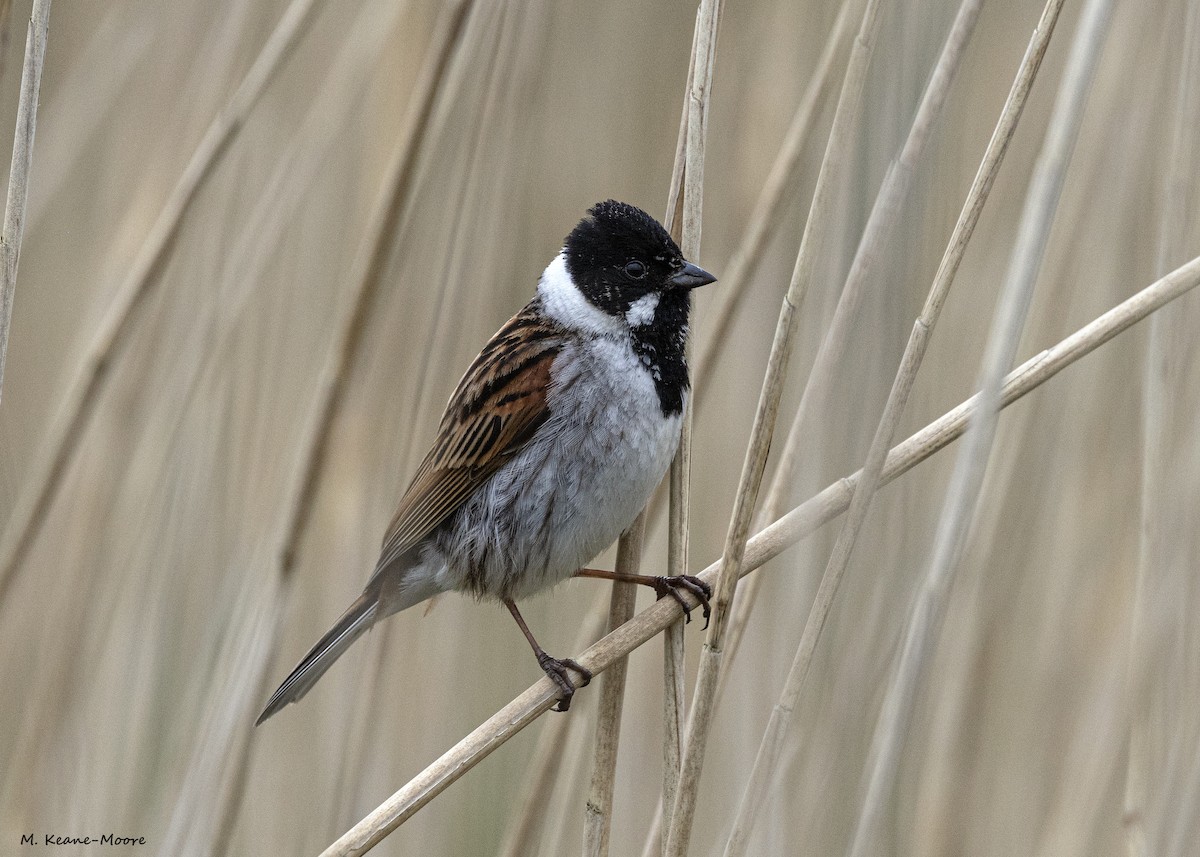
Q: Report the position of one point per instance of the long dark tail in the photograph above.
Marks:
(356, 620)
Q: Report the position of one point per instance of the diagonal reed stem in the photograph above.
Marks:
(683, 813)
(762, 225)
(966, 482)
(524, 829)
(768, 753)
(763, 547)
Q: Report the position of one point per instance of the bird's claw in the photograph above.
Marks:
(556, 669)
(700, 590)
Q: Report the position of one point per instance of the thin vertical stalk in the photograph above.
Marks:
(762, 225)
(767, 215)
(597, 817)
(914, 352)
(966, 482)
(708, 16)
(683, 220)
(524, 828)
(679, 482)
(18, 173)
(700, 718)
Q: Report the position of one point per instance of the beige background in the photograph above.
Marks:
(139, 637)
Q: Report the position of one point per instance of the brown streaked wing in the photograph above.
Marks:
(497, 406)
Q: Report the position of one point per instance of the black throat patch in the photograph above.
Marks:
(660, 347)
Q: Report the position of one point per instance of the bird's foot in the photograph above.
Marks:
(700, 590)
(557, 669)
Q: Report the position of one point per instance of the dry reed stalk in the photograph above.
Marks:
(66, 430)
(674, 653)
(708, 18)
(683, 220)
(742, 265)
(691, 193)
(679, 486)
(679, 477)
(763, 547)
(763, 222)
(914, 353)
(1151, 621)
(18, 172)
(767, 214)
(674, 720)
(597, 819)
(762, 225)
(524, 827)
(683, 812)
(746, 257)
(885, 214)
(962, 495)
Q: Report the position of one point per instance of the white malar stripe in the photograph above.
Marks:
(641, 311)
(564, 303)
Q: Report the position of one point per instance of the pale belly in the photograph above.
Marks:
(570, 493)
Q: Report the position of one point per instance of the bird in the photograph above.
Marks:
(552, 442)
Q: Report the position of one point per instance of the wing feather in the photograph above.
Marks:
(498, 405)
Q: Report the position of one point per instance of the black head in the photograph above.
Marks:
(620, 254)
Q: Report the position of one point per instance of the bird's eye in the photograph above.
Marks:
(635, 270)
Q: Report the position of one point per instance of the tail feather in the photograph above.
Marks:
(356, 620)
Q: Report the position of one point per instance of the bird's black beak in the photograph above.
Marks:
(690, 277)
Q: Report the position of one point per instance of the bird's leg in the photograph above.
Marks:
(663, 586)
(556, 668)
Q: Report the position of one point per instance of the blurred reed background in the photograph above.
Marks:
(151, 609)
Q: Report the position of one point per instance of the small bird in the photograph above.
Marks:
(551, 444)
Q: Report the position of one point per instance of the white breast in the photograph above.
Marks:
(614, 455)
(579, 482)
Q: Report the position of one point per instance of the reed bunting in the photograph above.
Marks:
(554, 440)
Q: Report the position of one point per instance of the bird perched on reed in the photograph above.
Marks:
(551, 444)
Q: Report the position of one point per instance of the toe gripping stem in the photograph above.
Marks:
(700, 590)
(556, 669)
